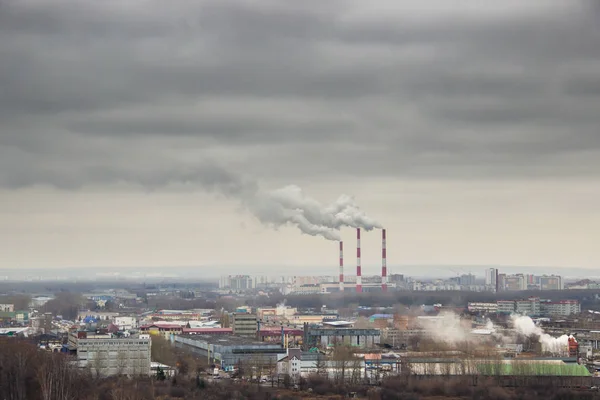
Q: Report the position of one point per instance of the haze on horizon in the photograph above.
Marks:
(468, 130)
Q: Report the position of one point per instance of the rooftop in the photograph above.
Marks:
(228, 340)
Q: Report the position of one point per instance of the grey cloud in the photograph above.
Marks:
(92, 92)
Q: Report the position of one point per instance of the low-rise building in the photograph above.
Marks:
(483, 307)
(7, 307)
(109, 356)
(506, 306)
(529, 307)
(165, 330)
(232, 351)
(126, 323)
(562, 307)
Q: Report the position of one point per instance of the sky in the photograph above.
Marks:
(151, 133)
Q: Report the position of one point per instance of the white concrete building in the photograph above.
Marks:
(107, 356)
(562, 307)
(126, 323)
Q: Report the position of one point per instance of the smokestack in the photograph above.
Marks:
(341, 266)
(358, 270)
(383, 263)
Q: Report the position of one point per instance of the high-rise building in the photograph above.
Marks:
(501, 282)
(490, 277)
(515, 282)
(552, 282)
(466, 280)
(236, 282)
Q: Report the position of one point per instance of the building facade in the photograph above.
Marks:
(529, 307)
(7, 307)
(108, 356)
(244, 324)
(562, 307)
(490, 277)
(552, 282)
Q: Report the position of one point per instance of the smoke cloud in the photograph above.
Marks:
(290, 206)
(447, 328)
(551, 344)
(450, 329)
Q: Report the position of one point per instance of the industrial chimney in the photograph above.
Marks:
(341, 266)
(383, 263)
(358, 269)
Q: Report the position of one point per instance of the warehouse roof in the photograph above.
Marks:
(228, 340)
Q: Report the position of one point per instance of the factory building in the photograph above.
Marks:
(326, 337)
(231, 351)
(108, 356)
(244, 324)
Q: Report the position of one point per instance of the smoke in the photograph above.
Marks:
(526, 326)
(275, 208)
(290, 206)
(286, 206)
(446, 327)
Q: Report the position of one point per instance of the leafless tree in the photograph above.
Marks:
(56, 377)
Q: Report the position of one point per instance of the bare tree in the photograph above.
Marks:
(98, 362)
(122, 362)
(55, 378)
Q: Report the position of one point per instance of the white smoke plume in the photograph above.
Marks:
(526, 326)
(290, 206)
(446, 327)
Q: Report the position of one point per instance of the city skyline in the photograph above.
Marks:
(147, 135)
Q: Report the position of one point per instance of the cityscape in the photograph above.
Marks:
(299, 200)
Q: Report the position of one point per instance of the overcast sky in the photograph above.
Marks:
(469, 129)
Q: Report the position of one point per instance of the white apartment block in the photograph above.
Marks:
(126, 323)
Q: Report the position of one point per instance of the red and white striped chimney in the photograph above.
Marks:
(341, 266)
(383, 263)
(358, 270)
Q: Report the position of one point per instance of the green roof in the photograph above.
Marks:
(533, 369)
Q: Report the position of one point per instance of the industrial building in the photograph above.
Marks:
(244, 324)
(325, 337)
(107, 356)
(231, 351)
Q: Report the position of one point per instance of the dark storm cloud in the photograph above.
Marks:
(101, 92)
